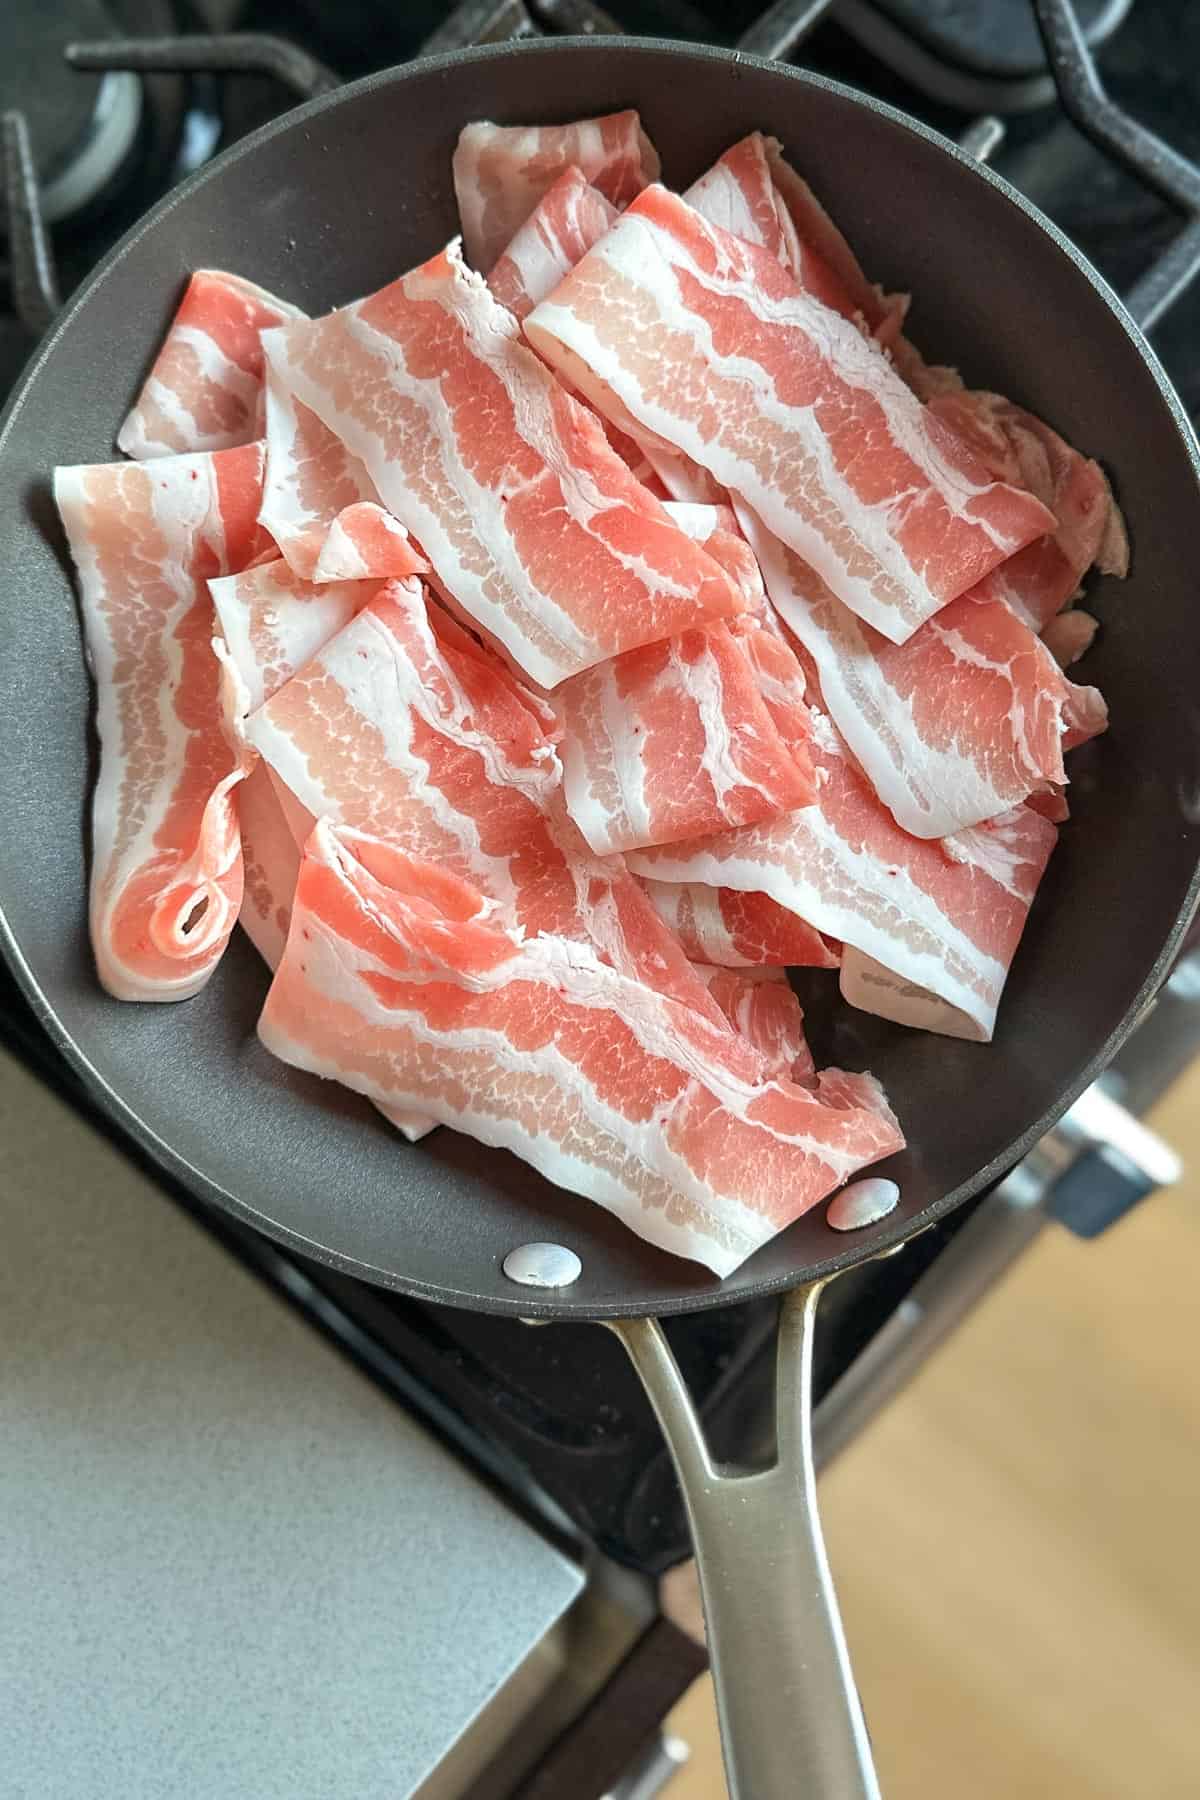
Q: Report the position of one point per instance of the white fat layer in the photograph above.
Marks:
(897, 598)
(333, 968)
(295, 618)
(931, 789)
(845, 893)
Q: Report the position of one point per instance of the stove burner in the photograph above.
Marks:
(980, 57)
(81, 129)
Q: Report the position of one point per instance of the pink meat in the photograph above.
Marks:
(166, 861)
(709, 343)
(761, 1007)
(739, 930)
(404, 728)
(960, 723)
(739, 194)
(272, 862)
(365, 543)
(569, 218)
(501, 172)
(204, 391)
(1068, 636)
(942, 916)
(398, 982)
(717, 528)
(311, 479)
(681, 478)
(1019, 448)
(752, 192)
(673, 741)
(531, 520)
(273, 622)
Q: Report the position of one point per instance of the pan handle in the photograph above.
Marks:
(790, 1716)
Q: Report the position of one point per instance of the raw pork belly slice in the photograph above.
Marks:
(710, 344)
(205, 389)
(568, 219)
(311, 479)
(272, 861)
(166, 861)
(534, 524)
(739, 194)
(761, 1007)
(962, 722)
(272, 622)
(404, 728)
(752, 192)
(1020, 449)
(673, 741)
(943, 916)
(501, 172)
(1068, 636)
(717, 528)
(739, 930)
(398, 981)
(365, 543)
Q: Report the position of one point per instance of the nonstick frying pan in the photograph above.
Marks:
(334, 200)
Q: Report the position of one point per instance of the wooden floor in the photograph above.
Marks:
(1017, 1540)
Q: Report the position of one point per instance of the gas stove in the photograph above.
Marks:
(112, 101)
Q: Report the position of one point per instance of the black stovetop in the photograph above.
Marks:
(558, 1412)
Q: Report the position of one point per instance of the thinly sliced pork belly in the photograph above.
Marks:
(674, 741)
(534, 524)
(1020, 448)
(402, 727)
(569, 218)
(398, 981)
(501, 172)
(962, 722)
(273, 622)
(204, 391)
(166, 878)
(366, 543)
(311, 478)
(737, 930)
(709, 343)
(752, 193)
(762, 1008)
(272, 861)
(945, 916)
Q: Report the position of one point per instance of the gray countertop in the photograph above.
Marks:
(229, 1567)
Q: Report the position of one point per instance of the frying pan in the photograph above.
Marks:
(332, 201)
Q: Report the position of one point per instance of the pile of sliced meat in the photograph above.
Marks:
(541, 655)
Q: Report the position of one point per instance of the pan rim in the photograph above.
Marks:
(888, 1235)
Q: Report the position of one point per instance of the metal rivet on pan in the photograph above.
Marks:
(862, 1203)
(543, 1265)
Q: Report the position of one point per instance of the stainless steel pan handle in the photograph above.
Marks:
(791, 1721)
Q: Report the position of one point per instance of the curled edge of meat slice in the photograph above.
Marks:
(951, 522)
(393, 970)
(166, 879)
(204, 389)
(271, 855)
(567, 220)
(954, 727)
(501, 172)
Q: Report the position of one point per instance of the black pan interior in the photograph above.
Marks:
(337, 199)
